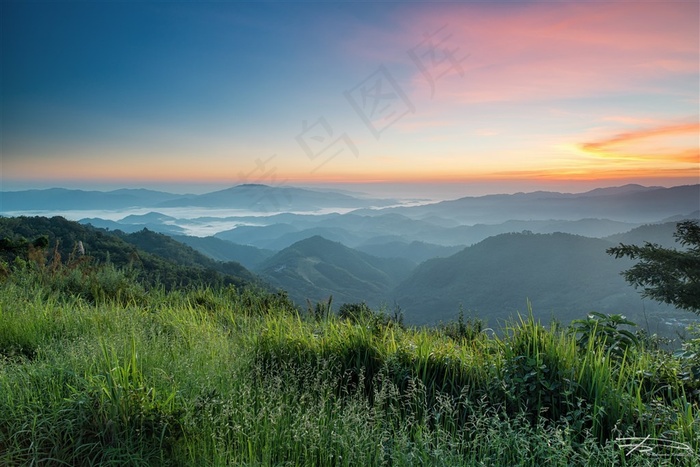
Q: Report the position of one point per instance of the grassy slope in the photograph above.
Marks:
(220, 377)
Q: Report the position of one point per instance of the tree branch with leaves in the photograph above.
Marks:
(667, 275)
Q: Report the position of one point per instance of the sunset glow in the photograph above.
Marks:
(495, 93)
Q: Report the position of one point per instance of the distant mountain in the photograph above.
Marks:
(255, 197)
(625, 204)
(350, 229)
(258, 236)
(64, 199)
(417, 252)
(316, 268)
(251, 197)
(335, 234)
(661, 234)
(223, 250)
(695, 215)
(621, 190)
(356, 231)
(564, 276)
(148, 218)
(470, 234)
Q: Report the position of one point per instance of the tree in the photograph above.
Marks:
(666, 274)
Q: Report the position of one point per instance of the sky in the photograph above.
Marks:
(474, 97)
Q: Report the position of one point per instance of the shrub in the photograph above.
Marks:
(604, 330)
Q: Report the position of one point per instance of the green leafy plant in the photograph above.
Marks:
(229, 376)
(603, 330)
(467, 330)
(689, 358)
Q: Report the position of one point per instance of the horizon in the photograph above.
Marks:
(484, 98)
(406, 191)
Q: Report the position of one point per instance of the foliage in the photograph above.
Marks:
(462, 329)
(315, 268)
(604, 331)
(355, 312)
(689, 357)
(56, 240)
(230, 376)
(562, 273)
(361, 313)
(320, 310)
(665, 274)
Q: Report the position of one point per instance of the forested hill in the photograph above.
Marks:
(563, 275)
(157, 258)
(316, 268)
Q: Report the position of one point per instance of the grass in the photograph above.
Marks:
(227, 377)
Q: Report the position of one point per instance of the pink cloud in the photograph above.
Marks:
(526, 52)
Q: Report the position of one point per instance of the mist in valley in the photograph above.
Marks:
(490, 257)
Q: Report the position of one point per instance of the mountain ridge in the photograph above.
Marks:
(315, 268)
(563, 274)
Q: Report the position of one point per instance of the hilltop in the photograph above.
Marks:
(316, 268)
(562, 275)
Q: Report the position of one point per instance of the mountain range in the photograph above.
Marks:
(250, 197)
(630, 203)
(562, 276)
(486, 255)
(61, 198)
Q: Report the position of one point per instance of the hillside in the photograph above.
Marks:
(416, 252)
(170, 249)
(156, 257)
(223, 250)
(564, 276)
(316, 268)
(661, 234)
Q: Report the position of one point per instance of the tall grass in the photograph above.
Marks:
(228, 377)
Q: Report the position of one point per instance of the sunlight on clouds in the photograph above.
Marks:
(548, 91)
(564, 50)
(665, 144)
(486, 132)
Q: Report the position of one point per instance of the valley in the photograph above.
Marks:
(490, 257)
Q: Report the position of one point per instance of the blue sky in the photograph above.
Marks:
(213, 94)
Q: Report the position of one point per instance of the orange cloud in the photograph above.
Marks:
(660, 143)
